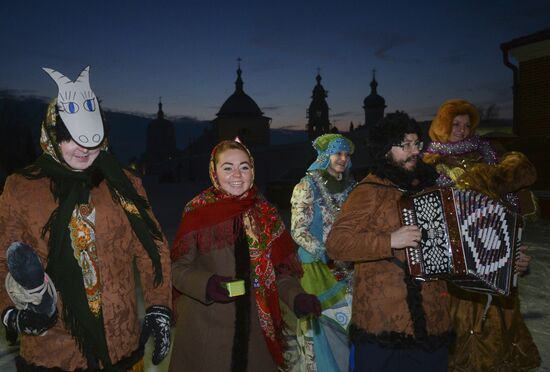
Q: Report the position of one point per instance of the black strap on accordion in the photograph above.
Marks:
(399, 263)
(403, 266)
(414, 301)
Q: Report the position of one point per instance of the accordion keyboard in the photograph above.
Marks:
(467, 238)
(430, 219)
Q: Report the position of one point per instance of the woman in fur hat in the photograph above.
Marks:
(315, 202)
(494, 338)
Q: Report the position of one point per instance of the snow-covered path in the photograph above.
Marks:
(535, 288)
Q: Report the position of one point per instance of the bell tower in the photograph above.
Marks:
(374, 104)
(317, 113)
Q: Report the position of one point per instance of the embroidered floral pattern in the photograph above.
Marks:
(262, 226)
(45, 142)
(208, 196)
(127, 205)
(266, 323)
(302, 216)
(82, 232)
(314, 210)
(260, 231)
(310, 192)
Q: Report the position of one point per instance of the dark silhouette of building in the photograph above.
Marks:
(241, 116)
(531, 115)
(18, 146)
(317, 113)
(374, 104)
(531, 79)
(161, 139)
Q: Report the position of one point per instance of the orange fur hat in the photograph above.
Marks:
(440, 129)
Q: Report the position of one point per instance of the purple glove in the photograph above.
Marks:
(305, 304)
(214, 290)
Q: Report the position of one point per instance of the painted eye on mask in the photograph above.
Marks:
(70, 107)
(89, 104)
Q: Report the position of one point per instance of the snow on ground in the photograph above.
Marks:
(535, 288)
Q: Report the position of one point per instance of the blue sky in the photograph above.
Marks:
(424, 52)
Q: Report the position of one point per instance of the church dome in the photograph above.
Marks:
(240, 116)
(239, 103)
(374, 100)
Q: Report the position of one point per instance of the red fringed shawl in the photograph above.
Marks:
(270, 246)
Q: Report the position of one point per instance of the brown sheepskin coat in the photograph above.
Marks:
(25, 206)
(381, 312)
(205, 330)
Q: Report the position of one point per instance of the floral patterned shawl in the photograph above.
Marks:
(270, 246)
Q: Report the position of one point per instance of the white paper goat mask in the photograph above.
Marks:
(78, 108)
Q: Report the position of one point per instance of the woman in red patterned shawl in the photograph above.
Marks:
(231, 232)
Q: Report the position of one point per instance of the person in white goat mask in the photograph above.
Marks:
(88, 221)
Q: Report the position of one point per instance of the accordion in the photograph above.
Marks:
(467, 238)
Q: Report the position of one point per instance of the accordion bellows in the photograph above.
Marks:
(467, 238)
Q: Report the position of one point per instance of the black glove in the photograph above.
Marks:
(215, 291)
(157, 322)
(27, 321)
(305, 304)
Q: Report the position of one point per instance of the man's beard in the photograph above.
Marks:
(401, 164)
(415, 179)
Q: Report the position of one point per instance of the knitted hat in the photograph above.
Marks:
(327, 145)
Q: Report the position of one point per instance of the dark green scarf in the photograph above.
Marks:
(69, 189)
